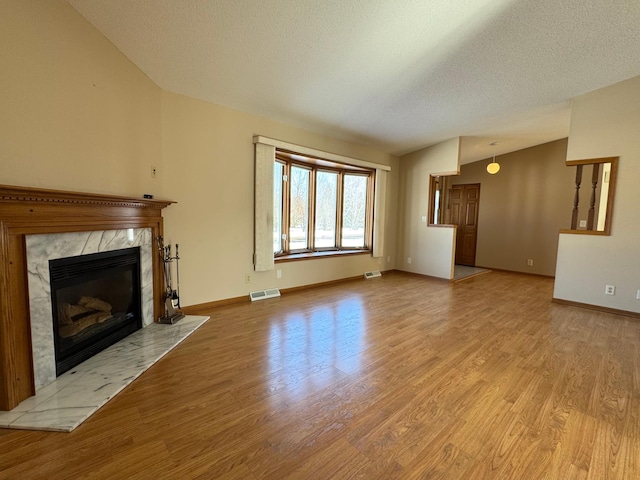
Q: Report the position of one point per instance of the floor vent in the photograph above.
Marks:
(372, 274)
(262, 294)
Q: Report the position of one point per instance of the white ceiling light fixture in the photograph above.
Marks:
(493, 167)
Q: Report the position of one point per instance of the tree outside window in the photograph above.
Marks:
(321, 206)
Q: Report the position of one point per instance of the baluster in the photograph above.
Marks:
(576, 198)
(595, 175)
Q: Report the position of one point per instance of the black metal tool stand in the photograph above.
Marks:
(172, 312)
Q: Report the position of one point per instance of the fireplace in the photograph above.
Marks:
(35, 227)
(96, 301)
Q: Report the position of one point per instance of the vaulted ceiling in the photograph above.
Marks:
(397, 75)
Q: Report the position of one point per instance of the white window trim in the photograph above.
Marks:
(263, 234)
(319, 153)
(379, 200)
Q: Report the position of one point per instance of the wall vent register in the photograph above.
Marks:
(264, 294)
(373, 274)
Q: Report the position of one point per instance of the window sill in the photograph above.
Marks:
(314, 255)
(586, 232)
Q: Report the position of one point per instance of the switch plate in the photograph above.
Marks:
(610, 290)
(583, 224)
(423, 219)
(278, 273)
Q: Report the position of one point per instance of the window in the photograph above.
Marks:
(354, 211)
(326, 209)
(321, 205)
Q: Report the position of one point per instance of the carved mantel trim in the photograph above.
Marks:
(26, 194)
(26, 211)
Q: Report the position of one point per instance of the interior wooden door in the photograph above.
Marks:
(464, 202)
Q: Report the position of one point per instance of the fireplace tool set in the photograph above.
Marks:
(172, 312)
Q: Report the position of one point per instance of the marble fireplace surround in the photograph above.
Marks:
(50, 246)
(29, 214)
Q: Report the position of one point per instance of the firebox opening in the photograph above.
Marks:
(96, 301)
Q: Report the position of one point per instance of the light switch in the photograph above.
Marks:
(583, 224)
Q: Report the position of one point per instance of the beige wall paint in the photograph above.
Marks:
(75, 113)
(430, 248)
(522, 207)
(208, 162)
(78, 115)
(606, 123)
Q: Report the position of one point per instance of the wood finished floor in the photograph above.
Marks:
(398, 377)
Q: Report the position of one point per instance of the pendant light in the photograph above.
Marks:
(493, 167)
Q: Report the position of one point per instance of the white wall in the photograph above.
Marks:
(431, 249)
(606, 123)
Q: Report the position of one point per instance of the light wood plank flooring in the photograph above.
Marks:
(398, 377)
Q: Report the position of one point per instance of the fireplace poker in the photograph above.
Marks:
(178, 275)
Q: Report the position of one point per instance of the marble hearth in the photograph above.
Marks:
(70, 399)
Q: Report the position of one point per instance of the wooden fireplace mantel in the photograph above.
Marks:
(27, 211)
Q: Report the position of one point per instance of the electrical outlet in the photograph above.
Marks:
(380, 261)
(409, 260)
(610, 290)
(583, 224)
(529, 262)
(388, 259)
(423, 219)
(278, 273)
(154, 171)
(638, 295)
(247, 278)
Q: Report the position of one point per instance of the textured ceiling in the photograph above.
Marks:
(398, 75)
